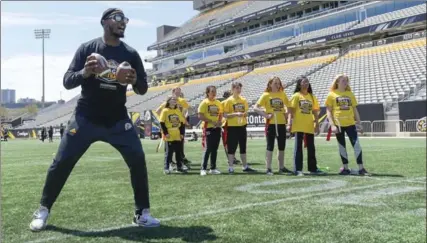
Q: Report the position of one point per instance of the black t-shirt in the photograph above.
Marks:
(103, 99)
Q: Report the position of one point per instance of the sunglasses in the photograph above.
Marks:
(119, 18)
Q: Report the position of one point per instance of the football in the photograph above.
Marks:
(122, 71)
(102, 68)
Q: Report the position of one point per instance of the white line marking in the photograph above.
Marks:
(362, 199)
(219, 211)
(331, 184)
(418, 212)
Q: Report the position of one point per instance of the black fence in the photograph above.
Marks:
(412, 109)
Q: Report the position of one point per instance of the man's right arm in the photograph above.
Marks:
(75, 74)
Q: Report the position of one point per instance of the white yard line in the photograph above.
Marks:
(220, 211)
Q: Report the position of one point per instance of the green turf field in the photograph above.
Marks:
(96, 204)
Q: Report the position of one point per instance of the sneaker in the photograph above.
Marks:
(214, 172)
(230, 171)
(299, 173)
(344, 171)
(248, 169)
(166, 172)
(269, 172)
(203, 172)
(184, 167)
(145, 221)
(181, 170)
(317, 172)
(284, 170)
(40, 217)
(363, 172)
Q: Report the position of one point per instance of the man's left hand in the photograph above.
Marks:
(131, 77)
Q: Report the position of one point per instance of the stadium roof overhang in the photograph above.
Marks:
(391, 27)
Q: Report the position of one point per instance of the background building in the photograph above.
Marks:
(8, 96)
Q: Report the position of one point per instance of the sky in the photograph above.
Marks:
(71, 24)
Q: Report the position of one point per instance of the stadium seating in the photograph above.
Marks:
(210, 17)
(379, 74)
(192, 89)
(255, 82)
(411, 11)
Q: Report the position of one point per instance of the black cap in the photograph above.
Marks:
(107, 13)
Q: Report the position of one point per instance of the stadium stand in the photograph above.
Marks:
(378, 74)
(384, 64)
(192, 89)
(411, 11)
(211, 17)
(255, 82)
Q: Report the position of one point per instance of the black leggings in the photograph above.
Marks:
(352, 135)
(170, 148)
(182, 145)
(237, 136)
(213, 137)
(298, 152)
(271, 136)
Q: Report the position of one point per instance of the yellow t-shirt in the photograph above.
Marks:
(342, 104)
(172, 119)
(224, 121)
(181, 103)
(303, 106)
(275, 103)
(233, 105)
(211, 110)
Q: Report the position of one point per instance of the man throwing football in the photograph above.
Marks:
(101, 115)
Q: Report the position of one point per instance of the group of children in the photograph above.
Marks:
(299, 115)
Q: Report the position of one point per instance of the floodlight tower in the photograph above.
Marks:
(42, 34)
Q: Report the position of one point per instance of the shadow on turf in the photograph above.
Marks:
(134, 233)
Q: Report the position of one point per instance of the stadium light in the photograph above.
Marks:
(42, 34)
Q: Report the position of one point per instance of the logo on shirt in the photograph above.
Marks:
(128, 126)
(239, 107)
(109, 77)
(213, 110)
(343, 102)
(174, 120)
(305, 106)
(276, 104)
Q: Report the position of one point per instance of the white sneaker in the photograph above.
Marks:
(214, 172)
(40, 217)
(167, 172)
(203, 172)
(145, 220)
(184, 167)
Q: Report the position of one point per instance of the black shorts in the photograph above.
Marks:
(236, 136)
(271, 136)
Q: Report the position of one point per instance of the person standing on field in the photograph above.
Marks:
(101, 115)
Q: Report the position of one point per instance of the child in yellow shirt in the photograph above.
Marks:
(172, 124)
(272, 105)
(304, 124)
(342, 113)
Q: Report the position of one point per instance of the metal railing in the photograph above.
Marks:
(390, 128)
